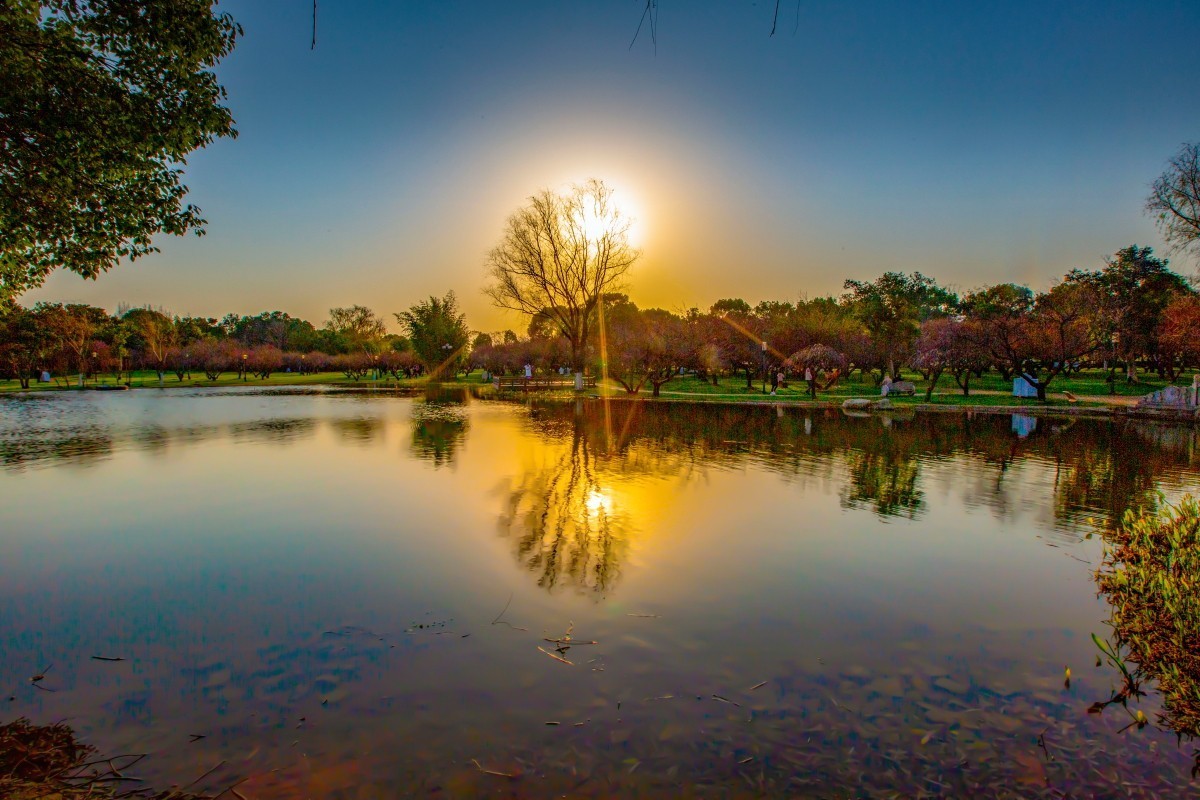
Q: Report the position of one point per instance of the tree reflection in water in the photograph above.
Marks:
(439, 427)
(567, 532)
(561, 516)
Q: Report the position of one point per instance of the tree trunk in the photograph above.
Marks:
(934, 376)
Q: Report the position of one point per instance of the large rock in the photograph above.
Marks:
(856, 404)
(1172, 397)
(903, 387)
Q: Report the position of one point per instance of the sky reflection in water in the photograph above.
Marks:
(309, 579)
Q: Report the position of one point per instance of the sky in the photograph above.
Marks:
(978, 143)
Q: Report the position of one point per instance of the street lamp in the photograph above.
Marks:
(446, 348)
(94, 361)
(301, 363)
(244, 357)
(1112, 373)
(764, 367)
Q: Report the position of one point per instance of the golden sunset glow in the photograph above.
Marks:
(626, 210)
(598, 501)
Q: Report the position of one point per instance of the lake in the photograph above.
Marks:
(348, 594)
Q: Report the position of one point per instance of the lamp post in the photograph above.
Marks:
(446, 348)
(302, 363)
(764, 367)
(1112, 373)
(244, 357)
(93, 365)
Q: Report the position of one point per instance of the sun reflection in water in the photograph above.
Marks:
(597, 502)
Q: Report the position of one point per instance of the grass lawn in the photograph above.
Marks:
(990, 390)
(149, 380)
(1089, 386)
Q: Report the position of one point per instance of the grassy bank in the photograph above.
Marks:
(1090, 389)
(149, 380)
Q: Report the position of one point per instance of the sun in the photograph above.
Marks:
(624, 212)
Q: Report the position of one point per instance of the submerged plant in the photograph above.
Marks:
(1149, 577)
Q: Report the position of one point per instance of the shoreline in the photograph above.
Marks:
(1100, 410)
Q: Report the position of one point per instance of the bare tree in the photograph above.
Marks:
(1175, 200)
(560, 254)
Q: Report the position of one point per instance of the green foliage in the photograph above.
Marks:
(354, 329)
(103, 101)
(1134, 290)
(893, 306)
(1150, 577)
(642, 346)
(438, 333)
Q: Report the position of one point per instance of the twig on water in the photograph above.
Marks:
(644, 616)
(232, 789)
(220, 764)
(107, 658)
(758, 686)
(726, 700)
(1042, 744)
(556, 657)
(498, 774)
(498, 621)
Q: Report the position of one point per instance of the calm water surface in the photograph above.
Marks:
(349, 595)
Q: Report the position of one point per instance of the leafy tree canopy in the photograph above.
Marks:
(102, 102)
(438, 332)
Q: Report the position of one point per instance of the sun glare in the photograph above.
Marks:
(626, 210)
(598, 501)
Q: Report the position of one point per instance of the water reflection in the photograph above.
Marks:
(886, 479)
(561, 516)
(1100, 468)
(357, 430)
(268, 431)
(266, 594)
(439, 428)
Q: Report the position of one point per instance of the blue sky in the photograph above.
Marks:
(977, 143)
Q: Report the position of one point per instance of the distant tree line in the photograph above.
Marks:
(76, 342)
(1131, 314)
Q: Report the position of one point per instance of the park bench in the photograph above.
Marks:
(519, 383)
